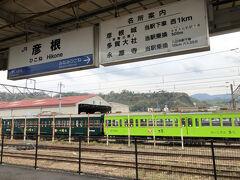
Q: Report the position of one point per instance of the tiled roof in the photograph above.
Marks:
(72, 100)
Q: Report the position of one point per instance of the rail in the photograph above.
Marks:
(206, 161)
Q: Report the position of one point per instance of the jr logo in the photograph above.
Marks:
(24, 49)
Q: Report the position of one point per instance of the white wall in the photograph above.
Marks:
(96, 100)
(117, 107)
(33, 111)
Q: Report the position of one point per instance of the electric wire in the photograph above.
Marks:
(153, 64)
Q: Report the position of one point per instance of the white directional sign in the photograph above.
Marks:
(60, 53)
(177, 28)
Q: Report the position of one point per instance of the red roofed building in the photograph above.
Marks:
(74, 104)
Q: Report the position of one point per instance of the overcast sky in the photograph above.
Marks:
(207, 72)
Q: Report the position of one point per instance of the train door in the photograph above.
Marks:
(187, 123)
(61, 126)
(46, 125)
(19, 126)
(6, 126)
(79, 126)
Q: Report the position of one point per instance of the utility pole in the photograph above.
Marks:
(233, 99)
(60, 96)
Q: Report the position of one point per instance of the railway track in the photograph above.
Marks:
(123, 164)
(142, 153)
(171, 166)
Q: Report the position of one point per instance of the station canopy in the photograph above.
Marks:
(26, 20)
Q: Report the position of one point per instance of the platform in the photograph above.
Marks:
(13, 172)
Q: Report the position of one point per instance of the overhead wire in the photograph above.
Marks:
(166, 75)
(153, 64)
(155, 83)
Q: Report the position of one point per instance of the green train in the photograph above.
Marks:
(57, 125)
(189, 125)
(149, 125)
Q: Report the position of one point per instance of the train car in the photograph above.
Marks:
(61, 124)
(189, 125)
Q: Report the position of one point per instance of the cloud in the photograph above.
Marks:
(142, 74)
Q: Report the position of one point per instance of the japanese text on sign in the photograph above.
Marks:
(177, 27)
(59, 53)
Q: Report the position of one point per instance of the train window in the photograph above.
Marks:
(60, 123)
(32, 123)
(150, 123)
(237, 122)
(143, 123)
(120, 123)
(160, 123)
(97, 123)
(42, 123)
(189, 122)
(8, 124)
(169, 122)
(183, 122)
(227, 122)
(176, 122)
(205, 122)
(91, 123)
(57, 124)
(64, 123)
(83, 124)
(73, 123)
(131, 122)
(216, 122)
(35, 123)
(126, 122)
(136, 121)
(21, 123)
(197, 122)
(109, 123)
(113, 123)
(76, 123)
(16, 124)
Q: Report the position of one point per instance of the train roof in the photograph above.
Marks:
(51, 116)
(161, 113)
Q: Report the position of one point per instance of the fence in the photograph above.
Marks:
(139, 159)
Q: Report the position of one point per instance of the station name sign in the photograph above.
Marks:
(177, 28)
(60, 53)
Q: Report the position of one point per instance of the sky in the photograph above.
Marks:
(209, 72)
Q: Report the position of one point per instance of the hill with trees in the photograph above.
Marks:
(143, 101)
(136, 101)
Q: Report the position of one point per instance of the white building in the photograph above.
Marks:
(74, 105)
(119, 108)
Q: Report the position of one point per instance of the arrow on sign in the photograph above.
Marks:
(87, 60)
